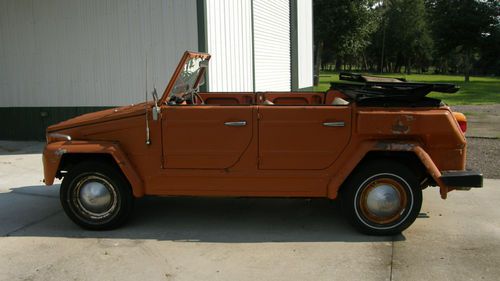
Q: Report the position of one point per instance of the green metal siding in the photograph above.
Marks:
(29, 123)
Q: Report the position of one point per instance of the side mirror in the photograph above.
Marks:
(156, 108)
(155, 112)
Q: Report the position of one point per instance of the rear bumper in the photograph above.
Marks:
(462, 179)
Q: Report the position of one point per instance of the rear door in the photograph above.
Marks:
(302, 137)
(205, 137)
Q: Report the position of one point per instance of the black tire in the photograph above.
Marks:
(387, 180)
(96, 196)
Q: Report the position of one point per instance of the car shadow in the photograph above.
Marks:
(199, 219)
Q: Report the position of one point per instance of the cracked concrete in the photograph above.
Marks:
(238, 239)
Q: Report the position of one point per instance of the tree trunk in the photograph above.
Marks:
(365, 62)
(381, 66)
(467, 65)
(338, 63)
(319, 50)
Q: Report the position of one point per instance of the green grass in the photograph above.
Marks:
(480, 90)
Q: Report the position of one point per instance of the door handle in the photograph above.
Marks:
(334, 124)
(236, 123)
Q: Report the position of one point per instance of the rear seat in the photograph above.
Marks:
(290, 98)
(335, 97)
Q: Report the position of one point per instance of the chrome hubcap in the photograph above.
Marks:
(95, 197)
(383, 200)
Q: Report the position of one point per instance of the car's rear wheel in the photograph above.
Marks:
(382, 198)
(96, 196)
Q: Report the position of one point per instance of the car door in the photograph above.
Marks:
(205, 137)
(304, 137)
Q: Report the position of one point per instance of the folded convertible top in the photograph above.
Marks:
(373, 88)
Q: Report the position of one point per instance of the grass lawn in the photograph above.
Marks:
(480, 90)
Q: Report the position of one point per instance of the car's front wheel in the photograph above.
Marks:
(96, 196)
(382, 198)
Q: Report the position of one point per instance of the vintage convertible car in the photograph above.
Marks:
(374, 143)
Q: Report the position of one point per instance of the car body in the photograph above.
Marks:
(376, 155)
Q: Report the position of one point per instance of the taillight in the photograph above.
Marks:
(463, 125)
(462, 120)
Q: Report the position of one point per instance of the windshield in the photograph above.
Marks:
(188, 78)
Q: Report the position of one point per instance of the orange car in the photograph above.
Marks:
(374, 144)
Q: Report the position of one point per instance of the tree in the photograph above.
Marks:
(460, 26)
(396, 35)
(342, 27)
(406, 38)
(489, 61)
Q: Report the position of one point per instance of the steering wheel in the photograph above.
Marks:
(195, 95)
(192, 96)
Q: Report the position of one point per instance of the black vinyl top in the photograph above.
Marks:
(369, 89)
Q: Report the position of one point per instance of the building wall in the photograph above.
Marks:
(68, 53)
(62, 58)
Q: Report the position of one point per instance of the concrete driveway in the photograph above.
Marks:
(237, 239)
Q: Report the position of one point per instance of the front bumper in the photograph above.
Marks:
(462, 180)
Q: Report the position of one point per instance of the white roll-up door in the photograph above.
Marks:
(272, 45)
(229, 41)
(305, 43)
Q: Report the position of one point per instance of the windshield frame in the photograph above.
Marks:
(188, 55)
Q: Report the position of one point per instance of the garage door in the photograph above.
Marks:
(272, 45)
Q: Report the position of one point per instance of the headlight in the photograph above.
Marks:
(52, 137)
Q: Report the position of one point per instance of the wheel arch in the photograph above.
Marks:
(63, 156)
(407, 158)
(410, 154)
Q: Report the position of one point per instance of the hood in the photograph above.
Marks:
(101, 116)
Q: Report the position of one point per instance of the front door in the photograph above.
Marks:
(304, 137)
(204, 136)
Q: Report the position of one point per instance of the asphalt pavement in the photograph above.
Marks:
(237, 238)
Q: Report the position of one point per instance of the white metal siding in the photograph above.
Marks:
(229, 41)
(90, 53)
(272, 45)
(305, 43)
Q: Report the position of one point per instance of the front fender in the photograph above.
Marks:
(53, 153)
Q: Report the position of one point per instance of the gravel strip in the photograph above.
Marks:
(483, 155)
(492, 109)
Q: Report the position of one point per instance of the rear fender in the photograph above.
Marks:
(54, 152)
(364, 148)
